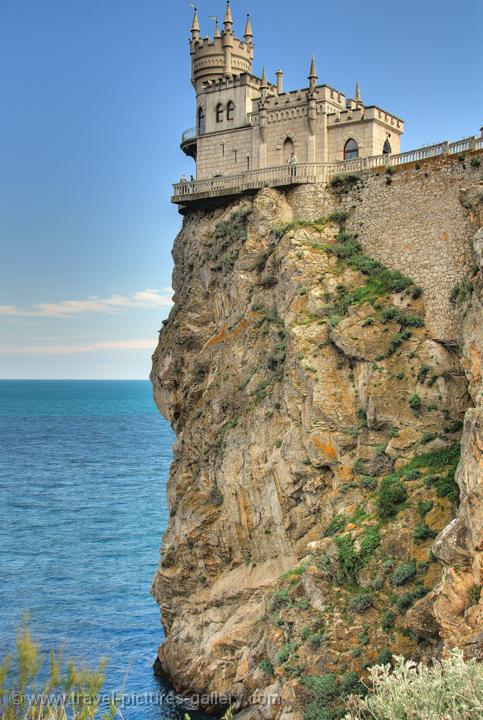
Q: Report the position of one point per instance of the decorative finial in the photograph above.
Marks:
(248, 30)
(264, 84)
(313, 69)
(358, 93)
(217, 29)
(195, 28)
(228, 19)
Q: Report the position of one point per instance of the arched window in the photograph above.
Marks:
(230, 111)
(201, 121)
(288, 149)
(351, 150)
(386, 150)
(219, 112)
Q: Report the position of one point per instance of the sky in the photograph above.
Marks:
(95, 96)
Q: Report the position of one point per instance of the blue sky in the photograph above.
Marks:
(89, 147)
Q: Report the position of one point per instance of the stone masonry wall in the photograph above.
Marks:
(412, 221)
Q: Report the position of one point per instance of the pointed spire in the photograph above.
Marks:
(248, 30)
(228, 19)
(358, 93)
(195, 28)
(313, 70)
(264, 84)
(313, 75)
(217, 30)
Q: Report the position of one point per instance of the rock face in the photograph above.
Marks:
(459, 546)
(318, 430)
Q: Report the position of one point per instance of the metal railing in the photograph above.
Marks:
(189, 134)
(302, 173)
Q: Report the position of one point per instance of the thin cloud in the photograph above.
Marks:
(73, 308)
(77, 349)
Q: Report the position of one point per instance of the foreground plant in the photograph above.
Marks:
(70, 693)
(448, 690)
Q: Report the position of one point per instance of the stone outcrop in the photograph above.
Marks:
(459, 546)
(318, 427)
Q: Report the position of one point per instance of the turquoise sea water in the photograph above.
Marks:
(83, 467)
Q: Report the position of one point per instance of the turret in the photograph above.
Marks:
(224, 56)
(279, 75)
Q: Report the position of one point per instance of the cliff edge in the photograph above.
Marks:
(320, 515)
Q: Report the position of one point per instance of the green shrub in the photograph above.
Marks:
(337, 523)
(397, 340)
(462, 291)
(387, 620)
(404, 573)
(474, 595)
(368, 482)
(344, 183)
(356, 652)
(402, 317)
(315, 640)
(26, 689)
(378, 582)
(286, 650)
(279, 600)
(385, 657)
(351, 684)
(370, 541)
(450, 688)
(475, 162)
(349, 563)
(404, 601)
(361, 602)
(339, 216)
(447, 486)
(415, 402)
(428, 437)
(266, 666)
(425, 506)
(392, 494)
(423, 532)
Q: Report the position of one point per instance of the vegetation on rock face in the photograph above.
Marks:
(228, 238)
(450, 689)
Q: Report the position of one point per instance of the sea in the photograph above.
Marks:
(83, 469)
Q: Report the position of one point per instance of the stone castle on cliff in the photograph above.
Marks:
(245, 123)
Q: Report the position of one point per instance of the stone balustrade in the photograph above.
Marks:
(303, 173)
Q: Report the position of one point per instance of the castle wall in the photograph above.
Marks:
(415, 224)
(225, 153)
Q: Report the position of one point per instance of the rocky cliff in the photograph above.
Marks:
(321, 518)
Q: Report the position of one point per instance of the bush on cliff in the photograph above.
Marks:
(451, 688)
(28, 693)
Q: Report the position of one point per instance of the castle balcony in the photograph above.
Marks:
(189, 193)
(251, 180)
(189, 142)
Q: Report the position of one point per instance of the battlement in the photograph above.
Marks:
(235, 81)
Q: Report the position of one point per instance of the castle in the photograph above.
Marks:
(246, 123)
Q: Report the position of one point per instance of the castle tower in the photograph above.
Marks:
(224, 55)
